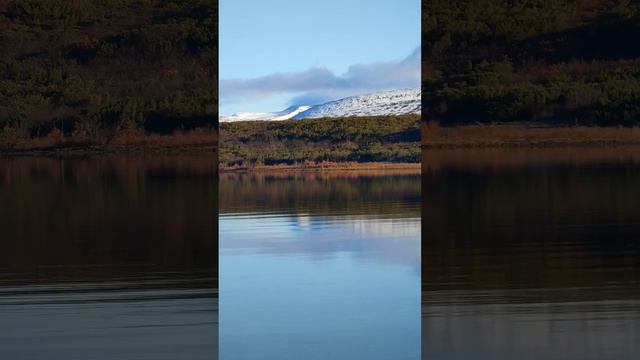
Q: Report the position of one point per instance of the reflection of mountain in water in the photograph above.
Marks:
(379, 239)
(371, 218)
(399, 228)
(330, 262)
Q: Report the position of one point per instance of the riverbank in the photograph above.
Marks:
(486, 159)
(326, 166)
(526, 135)
(198, 140)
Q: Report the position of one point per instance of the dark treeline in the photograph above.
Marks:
(561, 62)
(90, 70)
(361, 139)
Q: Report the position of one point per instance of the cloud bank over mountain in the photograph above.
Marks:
(319, 84)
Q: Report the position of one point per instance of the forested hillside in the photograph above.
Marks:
(547, 61)
(89, 70)
(392, 138)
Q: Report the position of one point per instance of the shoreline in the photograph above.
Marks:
(126, 142)
(112, 150)
(308, 167)
(526, 144)
(435, 160)
(525, 136)
(434, 137)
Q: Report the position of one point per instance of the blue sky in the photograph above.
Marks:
(278, 53)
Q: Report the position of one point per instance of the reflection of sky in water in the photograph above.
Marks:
(299, 286)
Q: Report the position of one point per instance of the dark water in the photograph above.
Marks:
(531, 254)
(319, 267)
(108, 258)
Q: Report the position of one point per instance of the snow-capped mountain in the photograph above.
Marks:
(394, 102)
(285, 114)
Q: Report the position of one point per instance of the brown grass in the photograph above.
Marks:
(524, 135)
(13, 141)
(327, 166)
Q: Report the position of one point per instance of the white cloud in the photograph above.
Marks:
(319, 84)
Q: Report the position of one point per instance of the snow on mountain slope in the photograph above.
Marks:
(291, 112)
(280, 115)
(394, 102)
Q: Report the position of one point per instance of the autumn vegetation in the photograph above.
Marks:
(556, 62)
(79, 73)
(253, 144)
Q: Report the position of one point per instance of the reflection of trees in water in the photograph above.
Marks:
(489, 159)
(320, 194)
(560, 225)
(370, 217)
(106, 216)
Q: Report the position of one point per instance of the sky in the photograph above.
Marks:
(279, 53)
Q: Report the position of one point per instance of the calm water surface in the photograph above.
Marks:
(319, 267)
(108, 258)
(531, 254)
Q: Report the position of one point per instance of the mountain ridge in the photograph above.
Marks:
(391, 102)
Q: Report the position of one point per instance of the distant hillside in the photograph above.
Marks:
(357, 139)
(550, 61)
(89, 69)
(384, 103)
